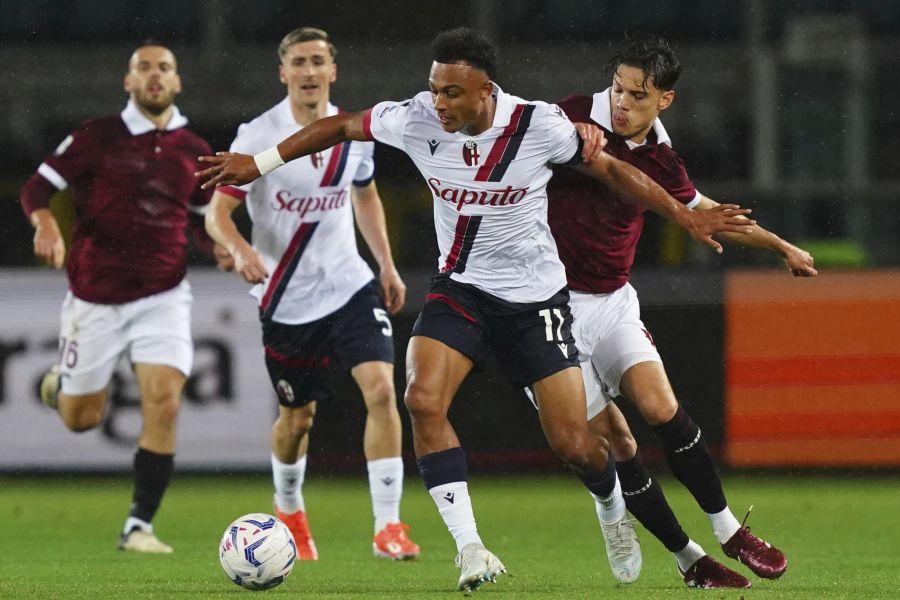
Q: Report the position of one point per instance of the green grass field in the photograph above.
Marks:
(841, 535)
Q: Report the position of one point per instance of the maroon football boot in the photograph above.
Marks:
(708, 573)
(760, 556)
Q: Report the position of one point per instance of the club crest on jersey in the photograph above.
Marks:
(470, 153)
(317, 159)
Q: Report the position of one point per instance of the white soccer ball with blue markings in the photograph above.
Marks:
(257, 551)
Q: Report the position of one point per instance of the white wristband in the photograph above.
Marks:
(268, 160)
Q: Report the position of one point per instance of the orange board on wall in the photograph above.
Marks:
(812, 373)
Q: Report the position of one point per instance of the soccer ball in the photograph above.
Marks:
(257, 551)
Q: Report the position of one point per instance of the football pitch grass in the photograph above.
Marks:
(841, 534)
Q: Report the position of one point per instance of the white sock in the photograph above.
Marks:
(611, 508)
(386, 487)
(288, 481)
(132, 523)
(687, 556)
(455, 506)
(724, 525)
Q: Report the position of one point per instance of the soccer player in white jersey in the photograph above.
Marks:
(486, 157)
(318, 300)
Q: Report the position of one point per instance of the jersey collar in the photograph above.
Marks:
(601, 113)
(504, 108)
(285, 117)
(138, 124)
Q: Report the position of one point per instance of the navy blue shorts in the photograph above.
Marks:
(531, 341)
(298, 357)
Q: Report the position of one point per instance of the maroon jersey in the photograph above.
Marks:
(596, 230)
(133, 187)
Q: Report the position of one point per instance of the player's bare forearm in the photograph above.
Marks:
(230, 168)
(369, 212)
(323, 134)
(799, 261)
(221, 228)
(219, 223)
(636, 186)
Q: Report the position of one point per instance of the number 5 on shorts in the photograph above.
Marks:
(381, 315)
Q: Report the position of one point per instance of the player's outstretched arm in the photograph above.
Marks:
(221, 228)
(636, 186)
(799, 261)
(229, 168)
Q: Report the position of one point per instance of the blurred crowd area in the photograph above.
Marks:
(787, 108)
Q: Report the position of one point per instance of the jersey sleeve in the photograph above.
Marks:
(674, 178)
(366, 170)
(72, 158)
(386, 122)
(565, 143)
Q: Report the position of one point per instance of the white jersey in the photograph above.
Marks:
(303, 221)
(490, 190)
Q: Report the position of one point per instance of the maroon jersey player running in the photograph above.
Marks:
(131, 176)
(596, 242)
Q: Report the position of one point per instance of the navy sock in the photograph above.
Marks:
(152, 473)
(645, 500)
(690, 461)
(603, 483)
(443, 467)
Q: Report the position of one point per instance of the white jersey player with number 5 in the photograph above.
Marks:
(318, 300)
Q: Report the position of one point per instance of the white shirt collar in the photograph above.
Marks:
(285, 117)
(138, 123)
(601, 113)
(504, 108)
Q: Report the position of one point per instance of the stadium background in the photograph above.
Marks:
(788, 109)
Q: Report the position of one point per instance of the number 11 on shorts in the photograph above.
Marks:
(548, 323)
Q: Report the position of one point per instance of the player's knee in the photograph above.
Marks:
(423, 403)
(623, 445)
(659, 409)
(573, 449)
(381, 396)
(163, 410)
(299, 422)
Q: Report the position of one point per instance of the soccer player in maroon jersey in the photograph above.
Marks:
(490, 219)
(131, 176)
(596, 241)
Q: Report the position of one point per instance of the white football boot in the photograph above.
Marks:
(623, 549)
(477, 565)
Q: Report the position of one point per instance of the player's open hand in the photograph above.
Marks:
(228, 168)
(393, 290)
(703, 224)
(799, 261)
(49, 245)
(593, 141)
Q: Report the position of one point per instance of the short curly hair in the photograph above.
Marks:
(465, 45)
